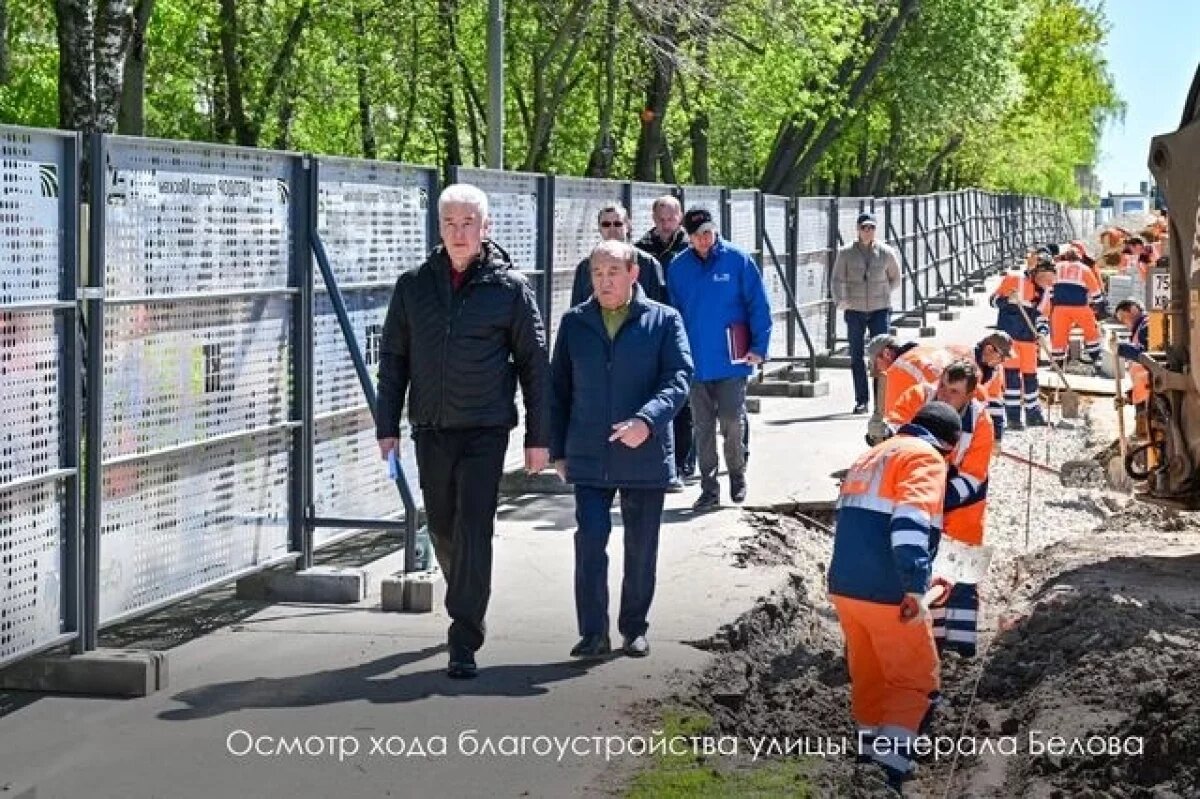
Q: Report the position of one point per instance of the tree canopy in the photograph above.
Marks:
(791, 96)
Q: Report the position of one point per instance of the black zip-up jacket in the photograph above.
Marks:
(664, 251)
(458, 354)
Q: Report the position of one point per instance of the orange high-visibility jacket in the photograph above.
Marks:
(1075, 285)
(966, 491)
(1034, 300)
(889, 519)
(920, 363)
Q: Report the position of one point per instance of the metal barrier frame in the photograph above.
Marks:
(66, 311)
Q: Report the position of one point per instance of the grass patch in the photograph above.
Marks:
(692, 776)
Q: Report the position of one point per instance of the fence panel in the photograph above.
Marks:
(197, 412)
(707, 197)
(775, 226)
(641, 204)
(814, 215)
(375, 219)
(39, 423)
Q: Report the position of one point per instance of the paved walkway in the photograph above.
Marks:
(288, 671)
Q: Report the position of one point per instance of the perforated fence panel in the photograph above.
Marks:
(642, 205)
(198, 383)
(707, 197)
(743, 218)
(775, 230)
(375, 221)
(38, 195)
(813, 218)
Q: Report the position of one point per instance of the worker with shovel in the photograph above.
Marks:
(1021, 302)
(955, 618)
(889, 519)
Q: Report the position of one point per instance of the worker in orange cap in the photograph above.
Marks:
(1075, 291)
(889, 518)
(1028, 292)
(899, 367)
(955, 622)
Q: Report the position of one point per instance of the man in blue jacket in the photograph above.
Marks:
(619, 375)
(719, 292)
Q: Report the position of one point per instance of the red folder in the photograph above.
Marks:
(737, 335)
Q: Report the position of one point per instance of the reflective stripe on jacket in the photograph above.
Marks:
(889, 519)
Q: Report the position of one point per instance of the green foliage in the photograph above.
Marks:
(1004, 94)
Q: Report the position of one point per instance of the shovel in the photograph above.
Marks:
(1119, 371)
(1070, 400)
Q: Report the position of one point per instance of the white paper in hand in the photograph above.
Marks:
(961, 563)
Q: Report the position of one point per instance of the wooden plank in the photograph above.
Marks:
(1082, 384)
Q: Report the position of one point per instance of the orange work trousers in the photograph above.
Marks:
(893, 665)
(1065, 317)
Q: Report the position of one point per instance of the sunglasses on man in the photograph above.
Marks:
(609, 223)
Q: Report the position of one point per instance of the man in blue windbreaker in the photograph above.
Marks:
(719, 292)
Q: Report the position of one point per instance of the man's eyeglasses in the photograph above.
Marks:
(866, 227)
(610, 223)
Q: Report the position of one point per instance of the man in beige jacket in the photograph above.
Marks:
(865, 275)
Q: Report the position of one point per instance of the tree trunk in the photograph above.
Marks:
(413, 88)
(805, 147)
(601, 160)
(449, 120)
(243, 132)
(132, 120)
(287, 113)
(651, 140)
(552, 81)
(93, 39)
(929, 179)
(221, 126)
(3, 42)
(365, 123)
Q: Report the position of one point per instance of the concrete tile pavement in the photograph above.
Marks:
(293, 671)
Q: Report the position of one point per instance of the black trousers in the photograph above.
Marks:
(460, 480)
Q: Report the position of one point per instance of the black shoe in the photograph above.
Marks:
(462, 667)
(592, 646)
(737, 488)
(675, 486)
(860, 407)
(637, 647)
(707, 501)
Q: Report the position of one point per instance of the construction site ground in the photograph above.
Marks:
(1091, 631)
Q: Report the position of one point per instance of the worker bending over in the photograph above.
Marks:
(897, 367)
(1026, 292)
(889, 519)
(1131, 314)
(988, 355)
(1075, 291)
(955, 619)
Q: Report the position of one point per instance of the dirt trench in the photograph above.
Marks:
(1091, 631)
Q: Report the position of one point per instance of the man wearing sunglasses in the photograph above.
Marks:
(613, 221)
(865, 275)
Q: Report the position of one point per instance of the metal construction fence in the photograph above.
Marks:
(188, 339)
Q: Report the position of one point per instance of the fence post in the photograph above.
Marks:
(71, 396)
(93, 293)
(545, 253)
(303, 222)
(791, 229)
(834, 244)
